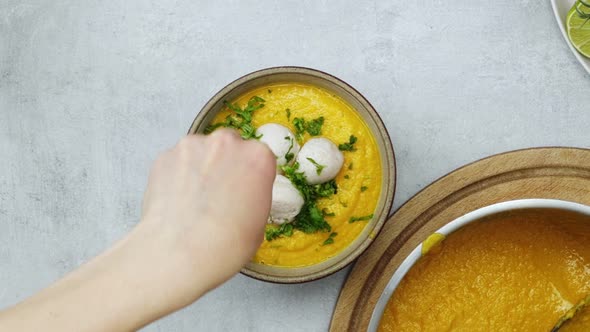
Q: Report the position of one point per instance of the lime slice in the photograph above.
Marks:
(578, 26)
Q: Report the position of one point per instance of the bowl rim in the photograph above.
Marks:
(512, 205)
(560, 17)
(390, 156)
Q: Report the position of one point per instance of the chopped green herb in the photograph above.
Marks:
(248, 131)
(347, 177)
(363, 188)
(298, 179)
(344, 204)
(355, 219)
(240, 119)
(330, 239)
(310, 219)
(348, 146)
(314, 127)
(288, 111)
(289, 155)
(326, 213)
(350, 166)
(269, 91)
(325, 189)
(299, 124)
(318, 167)
(211, 128)
(272, 232)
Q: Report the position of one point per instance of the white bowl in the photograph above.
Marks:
(560, 9)
(452, 226)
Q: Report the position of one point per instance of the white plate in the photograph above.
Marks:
(458, 223)
(560, 9)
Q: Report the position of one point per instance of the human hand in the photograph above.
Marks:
(206, 204)
(203, 217)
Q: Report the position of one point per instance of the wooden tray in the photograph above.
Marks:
(559, 173)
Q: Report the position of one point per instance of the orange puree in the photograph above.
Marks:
(513, 272)
(579, 323)
(340, 122)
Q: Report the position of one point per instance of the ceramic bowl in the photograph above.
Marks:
(486, 213)
(560, 10)
(371, 118)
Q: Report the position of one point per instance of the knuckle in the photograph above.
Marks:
(223, 139)
(187, 147)
(186, 142)
(263, 157)
(225, 135)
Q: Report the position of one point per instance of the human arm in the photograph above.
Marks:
(203, 218)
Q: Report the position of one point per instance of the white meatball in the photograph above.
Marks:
(286, 201)
(320, 160)
(281, 142)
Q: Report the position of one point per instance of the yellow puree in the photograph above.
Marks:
(511, 273)
(579, 323)
(340, 122)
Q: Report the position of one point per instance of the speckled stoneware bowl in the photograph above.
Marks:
(373, 121)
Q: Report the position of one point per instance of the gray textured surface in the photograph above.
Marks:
(90, 91)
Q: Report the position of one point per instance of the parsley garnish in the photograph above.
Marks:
(318, 167)
(355, 219)
(310, 219)
(330, 239)
(249, 131)
(288, 111)
(350, 166)
(211, 128)
(347, 177)
(289, 155)
(269, 91)
(363, 188)
(326, 213)
(299, 124)
(272, 233)
(240, 119)
(313, 127)
(348, 146)
(325, 189)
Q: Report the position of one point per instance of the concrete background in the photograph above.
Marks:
(90, 91)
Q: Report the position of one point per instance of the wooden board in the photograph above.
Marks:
(558, 173)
